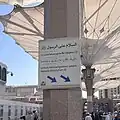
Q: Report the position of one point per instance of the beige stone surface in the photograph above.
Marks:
(64, 104)
(74, 104)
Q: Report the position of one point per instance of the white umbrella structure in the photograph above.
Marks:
(26, 26)
(100, 45)
(23, 3)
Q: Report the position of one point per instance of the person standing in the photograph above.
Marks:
(88, 117)
(93, 116)
(107, 117)
(35, 116)
(29, 116)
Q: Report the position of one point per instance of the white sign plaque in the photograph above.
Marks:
(59, 63)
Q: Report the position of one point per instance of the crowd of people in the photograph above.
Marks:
(31, 116)
(102, 116)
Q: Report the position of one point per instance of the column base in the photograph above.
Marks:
(90, 107)
(64, 104)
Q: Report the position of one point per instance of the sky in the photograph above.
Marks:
(23, 66)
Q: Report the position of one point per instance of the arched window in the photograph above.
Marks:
(0, 73)
(4, 74)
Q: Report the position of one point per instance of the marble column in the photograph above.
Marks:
(62, 104)
(88, 76)
(62, 18)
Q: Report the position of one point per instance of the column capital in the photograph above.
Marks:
(88, 73)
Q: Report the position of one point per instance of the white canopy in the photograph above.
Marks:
(104, 84)
(100, 45)
(26, 26)
(23, 3)
(107, 84)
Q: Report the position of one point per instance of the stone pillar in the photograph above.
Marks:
(88, 76)
(62, 104)
(89, 84)
(62, 20)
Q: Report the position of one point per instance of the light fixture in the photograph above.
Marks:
(9, 72)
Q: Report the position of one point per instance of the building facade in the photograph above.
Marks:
(113, 93)
(29, 93)
(3, 77)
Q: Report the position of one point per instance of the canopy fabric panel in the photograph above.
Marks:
(106, 84)
(22, 2)
(102, 51)
(101, 43)
(26, 26)
(108, 70)
(101, 17)
(106, 76)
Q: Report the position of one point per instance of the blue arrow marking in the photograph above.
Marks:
(67, 79)
(53, 79)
